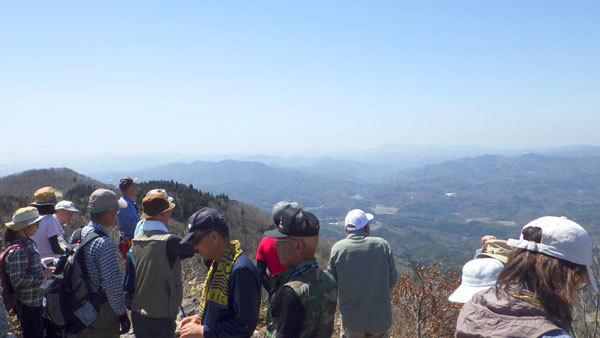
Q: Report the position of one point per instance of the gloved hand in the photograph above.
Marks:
(125, 323)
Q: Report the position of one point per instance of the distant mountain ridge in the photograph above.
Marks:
(253, 182)
(431, 212)
(25, 183)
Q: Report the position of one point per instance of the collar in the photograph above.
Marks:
(357, 233)
(126, 199)
(283, 277)
(98, 227)
(152, 225)
(299, 266)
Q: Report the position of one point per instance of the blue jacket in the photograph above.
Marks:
(128, 217)
(240, 316)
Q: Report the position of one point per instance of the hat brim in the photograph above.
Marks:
(275, 234)
(33, 221)
(503, 259)
(145, 215)
(38, 204)
(464, 293)
(22, 225)
(187, 238)
(135, 179)
(69, 209)
(592, 279)
(369, 216)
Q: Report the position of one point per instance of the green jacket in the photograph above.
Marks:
(316, 290)
(364, 269)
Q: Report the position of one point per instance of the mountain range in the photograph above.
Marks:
(431, 212)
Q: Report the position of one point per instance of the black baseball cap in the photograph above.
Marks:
(126, 181)
(295, 222)
(202, 222)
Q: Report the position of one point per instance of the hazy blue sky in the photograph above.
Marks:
(275, 77)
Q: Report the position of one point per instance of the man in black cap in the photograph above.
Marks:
(231, 296)
(305, 299)
(128, 217)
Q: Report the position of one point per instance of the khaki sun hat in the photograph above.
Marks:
(498, 249)
(23, 217)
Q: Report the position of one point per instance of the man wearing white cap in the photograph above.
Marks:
(365, 271)
(64, 211)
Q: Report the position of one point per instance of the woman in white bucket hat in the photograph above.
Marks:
(24, 269)
(535, 290)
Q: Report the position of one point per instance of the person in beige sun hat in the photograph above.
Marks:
(25, 270)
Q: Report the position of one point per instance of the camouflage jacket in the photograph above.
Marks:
(316, 290)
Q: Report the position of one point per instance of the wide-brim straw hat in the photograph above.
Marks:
(23, 217)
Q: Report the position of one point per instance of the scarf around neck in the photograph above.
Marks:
(216, 285)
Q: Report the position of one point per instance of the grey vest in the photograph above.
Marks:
(158, 287)
(487, 315)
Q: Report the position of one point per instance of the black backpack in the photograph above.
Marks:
(70, 304)
(9, 296)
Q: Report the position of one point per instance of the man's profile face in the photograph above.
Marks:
(287, 250)
(205, 246)
(65, 216)
(132, 190)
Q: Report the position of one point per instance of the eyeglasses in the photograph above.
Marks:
(282, 240)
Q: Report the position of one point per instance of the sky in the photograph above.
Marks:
(279, 77)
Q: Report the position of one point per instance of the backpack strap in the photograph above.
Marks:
(80, 258)
(76, 236)
(14, 246)
(90, 237)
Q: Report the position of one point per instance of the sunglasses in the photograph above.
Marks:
(283, 240)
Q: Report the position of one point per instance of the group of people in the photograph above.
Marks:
(302, 297)
(513, 288)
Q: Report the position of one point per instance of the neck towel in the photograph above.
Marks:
(216, 285)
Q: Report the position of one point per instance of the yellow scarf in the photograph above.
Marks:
(216, 285)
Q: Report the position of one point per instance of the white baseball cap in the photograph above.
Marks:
(478, 274)
(357, 219)
(561, 238)
(66, 205)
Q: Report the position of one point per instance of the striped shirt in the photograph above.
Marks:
(101, 263)
(26, 283)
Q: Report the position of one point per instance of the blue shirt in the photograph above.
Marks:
(128, 217)
(101, 262)
(240, 316)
